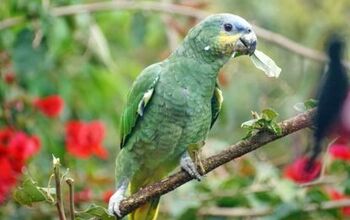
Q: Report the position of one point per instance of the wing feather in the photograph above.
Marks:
(216, 103)
(139, 97)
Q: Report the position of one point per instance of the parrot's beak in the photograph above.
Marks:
(246, 44)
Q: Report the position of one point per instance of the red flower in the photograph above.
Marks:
(83, 196)
(298, 172)
(7, 178)
(107, 195)
(340, 150)
(15, 148)
(21, 146)
(335, 195)
(50, 106)
(84, 139)
(5, 136)
(10, 77)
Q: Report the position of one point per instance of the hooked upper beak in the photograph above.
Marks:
(246, 44)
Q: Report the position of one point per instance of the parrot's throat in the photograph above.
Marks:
(199, 68)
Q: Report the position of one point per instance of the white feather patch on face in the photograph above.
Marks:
(145, 99)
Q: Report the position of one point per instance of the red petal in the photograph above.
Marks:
(107, 195)
(298, 173)
(340, 151)
(84, 139)
(50, 106)
(101, 152)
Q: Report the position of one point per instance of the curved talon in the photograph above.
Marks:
(114, 202)
(116, 198)
(188, 165)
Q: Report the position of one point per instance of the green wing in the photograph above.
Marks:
(216, 102)
(139, 96)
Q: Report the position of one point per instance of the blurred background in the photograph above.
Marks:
(66, 67)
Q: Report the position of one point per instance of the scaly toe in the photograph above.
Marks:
(188, 165)
(114, 203)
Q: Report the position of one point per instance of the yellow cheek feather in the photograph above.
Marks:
(226, 42)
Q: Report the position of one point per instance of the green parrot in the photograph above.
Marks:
(172, 106)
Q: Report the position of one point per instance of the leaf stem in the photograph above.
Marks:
(59, 202)
(70, 183)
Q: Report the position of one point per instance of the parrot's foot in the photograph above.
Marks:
(194, 151)
(188, 165)
(198, 161)
(116, 198)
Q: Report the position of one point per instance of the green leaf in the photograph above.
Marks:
(266, 120)
(304, 106)
(311, 103)
(269, 114)
(29, 193)
(189, 214)
(275, 128)
(232, 201)
(95, 211)
(316, 195)
(27, 57)
(265, 63)
(250, 123)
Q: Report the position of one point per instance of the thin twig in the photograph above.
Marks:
(9, 22)
(59, 202)
(169, 8)
(234, 212)
(129, 5)
(258, 212)
(258, 140)
(48, 194)
(324, 180)
(70, 183)
(326, 157)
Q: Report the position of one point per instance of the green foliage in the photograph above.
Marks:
(26, 58)
(307, 105)
(94, 211)
(91, 60)
(29, 192)
(266, 120)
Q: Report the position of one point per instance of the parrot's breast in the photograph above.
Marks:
(177, 118)
(178, 115)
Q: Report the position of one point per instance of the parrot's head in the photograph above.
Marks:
(224, 34)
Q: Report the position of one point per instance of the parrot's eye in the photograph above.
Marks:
(228, 27)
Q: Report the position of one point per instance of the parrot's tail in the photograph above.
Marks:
(148, 211)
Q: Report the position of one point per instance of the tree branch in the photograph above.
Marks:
(129, 5)
(258, 140)
(169, 8)
(9, 22)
